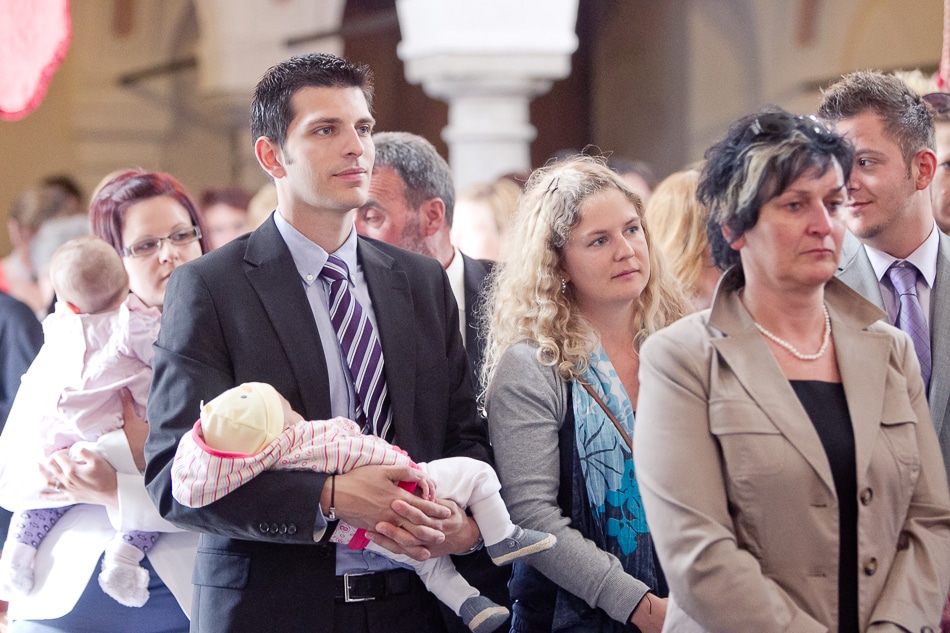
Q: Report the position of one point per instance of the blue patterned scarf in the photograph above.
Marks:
(606, 461)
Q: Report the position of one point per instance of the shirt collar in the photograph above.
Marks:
(924, 258)
(311, 258)
(456, 275)
(457, 266)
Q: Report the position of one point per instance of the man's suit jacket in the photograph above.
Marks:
(21, 337)
(739, 492)
(240, 314)
(476, 271)
(855, 270)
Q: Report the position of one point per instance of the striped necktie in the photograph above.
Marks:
(910, 318)
(360, 346)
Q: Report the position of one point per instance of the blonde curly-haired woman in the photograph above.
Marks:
(568, 311)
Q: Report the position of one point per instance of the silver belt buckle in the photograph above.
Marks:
(346, 587)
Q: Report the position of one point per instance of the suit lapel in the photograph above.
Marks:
(474, 274)
(393, 308)
(856, 271)
(940, 337)
(748, 356)
(750, 359)
(862, 362)
(272, 274)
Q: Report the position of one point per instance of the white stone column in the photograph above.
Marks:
(487, 59)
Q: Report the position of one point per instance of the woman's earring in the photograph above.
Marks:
(563, 286)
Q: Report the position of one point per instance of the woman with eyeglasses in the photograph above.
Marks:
(569, 310)
(155, 226)
(788, 465)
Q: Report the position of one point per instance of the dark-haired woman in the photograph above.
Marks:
(152, 222)
(789, 469)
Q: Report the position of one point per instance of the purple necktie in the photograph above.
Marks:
(364, 355)
(910, 316)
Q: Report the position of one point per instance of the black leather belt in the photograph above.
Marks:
(362, 587)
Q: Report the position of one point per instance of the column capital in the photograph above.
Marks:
(487, 59)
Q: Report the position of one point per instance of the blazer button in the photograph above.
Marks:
(283, 528)
(263, 528)
(866, 495)
(273, 528)
(291, 529)
(870, 566)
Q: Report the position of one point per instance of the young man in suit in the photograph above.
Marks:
(890, 220)
(267, 307)
(410, 205)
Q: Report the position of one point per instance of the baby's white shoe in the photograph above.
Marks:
(122, 577)
(16, 569)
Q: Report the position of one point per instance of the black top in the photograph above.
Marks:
(827, 407)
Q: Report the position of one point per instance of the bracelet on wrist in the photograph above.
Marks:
(479, 544)
(331, 512)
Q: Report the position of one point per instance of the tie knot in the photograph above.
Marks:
(335, 270)
(904, 277)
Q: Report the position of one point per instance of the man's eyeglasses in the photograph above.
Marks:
(150, 245)
(937, 102)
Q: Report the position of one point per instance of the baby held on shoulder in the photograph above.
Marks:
(252, 428)
(98, 341)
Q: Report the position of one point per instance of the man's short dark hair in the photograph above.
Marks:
(271, 112)
(417, 162)
(906, 117)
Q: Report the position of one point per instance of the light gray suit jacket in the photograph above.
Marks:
(855, 270)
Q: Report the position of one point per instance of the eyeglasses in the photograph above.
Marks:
(150, 245)
(781, 124)
(937, 102)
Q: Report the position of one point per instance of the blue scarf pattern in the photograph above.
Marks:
(606, 461)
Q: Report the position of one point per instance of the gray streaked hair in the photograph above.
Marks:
(415, 160)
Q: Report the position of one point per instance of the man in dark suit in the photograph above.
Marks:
(411, 203)
(258, 309)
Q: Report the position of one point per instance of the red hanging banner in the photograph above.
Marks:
(34, 38)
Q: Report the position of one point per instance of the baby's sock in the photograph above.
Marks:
(142, 541)
(30, 527)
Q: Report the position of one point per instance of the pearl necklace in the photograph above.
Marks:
(791, 348)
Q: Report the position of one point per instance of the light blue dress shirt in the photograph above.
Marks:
(310, 260)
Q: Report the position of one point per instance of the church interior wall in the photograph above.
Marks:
(658, 81)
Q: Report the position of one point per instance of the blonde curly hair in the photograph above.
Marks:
(678, 219)
(526, 301)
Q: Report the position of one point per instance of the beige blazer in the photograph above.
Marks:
(739, 494)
